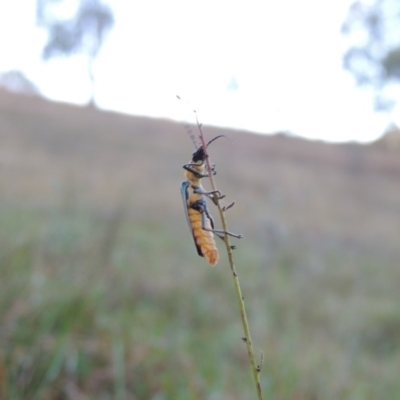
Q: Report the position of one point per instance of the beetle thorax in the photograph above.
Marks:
(191, 177)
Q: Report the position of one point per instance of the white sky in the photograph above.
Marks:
(286, 57)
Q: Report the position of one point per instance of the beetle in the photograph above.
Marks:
(201, 223)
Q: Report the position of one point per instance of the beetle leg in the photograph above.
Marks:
(220, 236)
(217, 232)
(214, 172)
(233, 247)
(194, 172)
(189, 168)
(214, 195)
(200, 190)
(201, 207)
(217, 196)
(235, 235)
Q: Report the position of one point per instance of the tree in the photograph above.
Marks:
(84, 32)
(374, 56)
(17, 81)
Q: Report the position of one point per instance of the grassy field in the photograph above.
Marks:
(102, 294)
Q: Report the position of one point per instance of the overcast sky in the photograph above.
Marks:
(264, 66)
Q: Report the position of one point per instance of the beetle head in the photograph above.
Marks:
(200, 154)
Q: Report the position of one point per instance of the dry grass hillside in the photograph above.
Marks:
(103, 295)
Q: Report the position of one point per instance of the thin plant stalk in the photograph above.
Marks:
(256, 369)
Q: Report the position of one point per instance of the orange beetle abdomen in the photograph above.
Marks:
(204, 239)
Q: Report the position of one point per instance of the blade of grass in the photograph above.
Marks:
(247, 338)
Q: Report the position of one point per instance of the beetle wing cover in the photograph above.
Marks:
(185, 196)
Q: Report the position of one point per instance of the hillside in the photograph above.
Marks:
(92, 220)
(344, 192)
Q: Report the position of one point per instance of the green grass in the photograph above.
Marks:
(120, 330)
(156, 325)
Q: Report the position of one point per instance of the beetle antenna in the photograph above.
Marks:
(189, 131)
(217, 137)
(188, 128)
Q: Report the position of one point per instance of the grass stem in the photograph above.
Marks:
(247, 338)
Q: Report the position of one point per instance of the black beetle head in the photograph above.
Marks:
(200, 154)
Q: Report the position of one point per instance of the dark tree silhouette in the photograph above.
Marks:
(374, 56)
(82, 33)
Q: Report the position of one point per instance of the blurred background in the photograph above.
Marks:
(102, 294)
